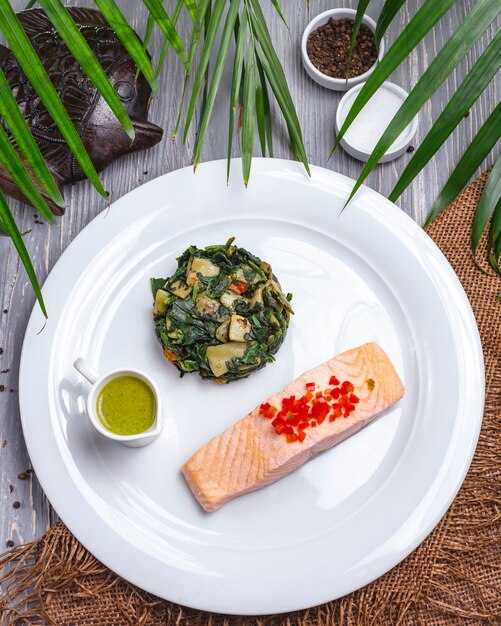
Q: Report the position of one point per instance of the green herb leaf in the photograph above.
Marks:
(166, 44)
(463, 99)
(14, 120)
(12, 230)
(167, 27)
(35, 72)
(129, 39)
(446, 60)
(482, 143)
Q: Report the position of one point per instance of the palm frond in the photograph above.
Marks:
(386, 17)
(15, 122)
(483, 142)
(10, 227)
(446, 60)
(80, 49)
(36, 74)
(165, 24)
(488, 202)
(129, 39)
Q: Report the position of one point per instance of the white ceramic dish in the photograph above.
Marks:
(336, 84)
(398, 147)
(342, 520)
(98, 381)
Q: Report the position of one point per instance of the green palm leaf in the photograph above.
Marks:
(167, 27)
(224, 47)
(488, 201)
(249, 110)
(10, 226)
(446, 60)
(482, 144)
(276, 78)
(20, 176)
(477, 79)
(424, 20)
(191, 5)
(210, 36)
(36, 74)
(266, 108)
(166, 43)
(14, 120)
(388, 12)
(279, 11)
(82, 52)
(238, 64)
(361, 8)
(129, 40)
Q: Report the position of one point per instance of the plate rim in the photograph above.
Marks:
(467, 316)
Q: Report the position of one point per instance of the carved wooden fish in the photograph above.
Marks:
(101, 132)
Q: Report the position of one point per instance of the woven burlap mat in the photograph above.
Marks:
(454, 577)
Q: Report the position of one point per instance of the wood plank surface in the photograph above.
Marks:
(25, 512)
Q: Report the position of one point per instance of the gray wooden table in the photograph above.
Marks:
(25, 513)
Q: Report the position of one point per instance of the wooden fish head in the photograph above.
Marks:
(100, 131)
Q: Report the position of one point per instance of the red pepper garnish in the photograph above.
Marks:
(311, 410)
(238, 287)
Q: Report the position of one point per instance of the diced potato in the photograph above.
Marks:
(257, 298)
(222, 331)
(228, 299)
(239, 328)
(240, 275)
(203, 267)
(160, 305)
(179, 288)
(218, 356)
(207, 306)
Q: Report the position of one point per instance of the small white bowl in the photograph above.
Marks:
(337, 84)
(402, 142)
(98, 382)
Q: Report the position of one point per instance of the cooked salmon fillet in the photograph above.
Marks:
(251, 455)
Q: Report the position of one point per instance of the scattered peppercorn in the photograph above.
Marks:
(6, 310)
(144, 173)
(2, 388)
(38, 222)
(467, 114)
(16, 504)
(1, 350)
(11, 488)
(12, 390)
(22, 476)
(3, 444)
(5, 371)
(410, 149)
(10, 543)
(328, 48)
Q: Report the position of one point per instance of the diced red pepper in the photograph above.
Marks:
(238, 287)
(347, 387)
(310, 386)
(301, 437)
(354, 399)
(333, 381)
(335, 393)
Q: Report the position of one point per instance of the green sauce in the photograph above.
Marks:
(126, 406)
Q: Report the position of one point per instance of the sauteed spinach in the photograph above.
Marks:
(222, 313)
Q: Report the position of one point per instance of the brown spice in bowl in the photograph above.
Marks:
(329, 44)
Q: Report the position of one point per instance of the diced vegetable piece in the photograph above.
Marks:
(257, 298)
(207, 306)
(222, 331)
(203, 267)
(239, 328)
(160, 302)
(218, 356)
(179, 288)
(228, 299)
